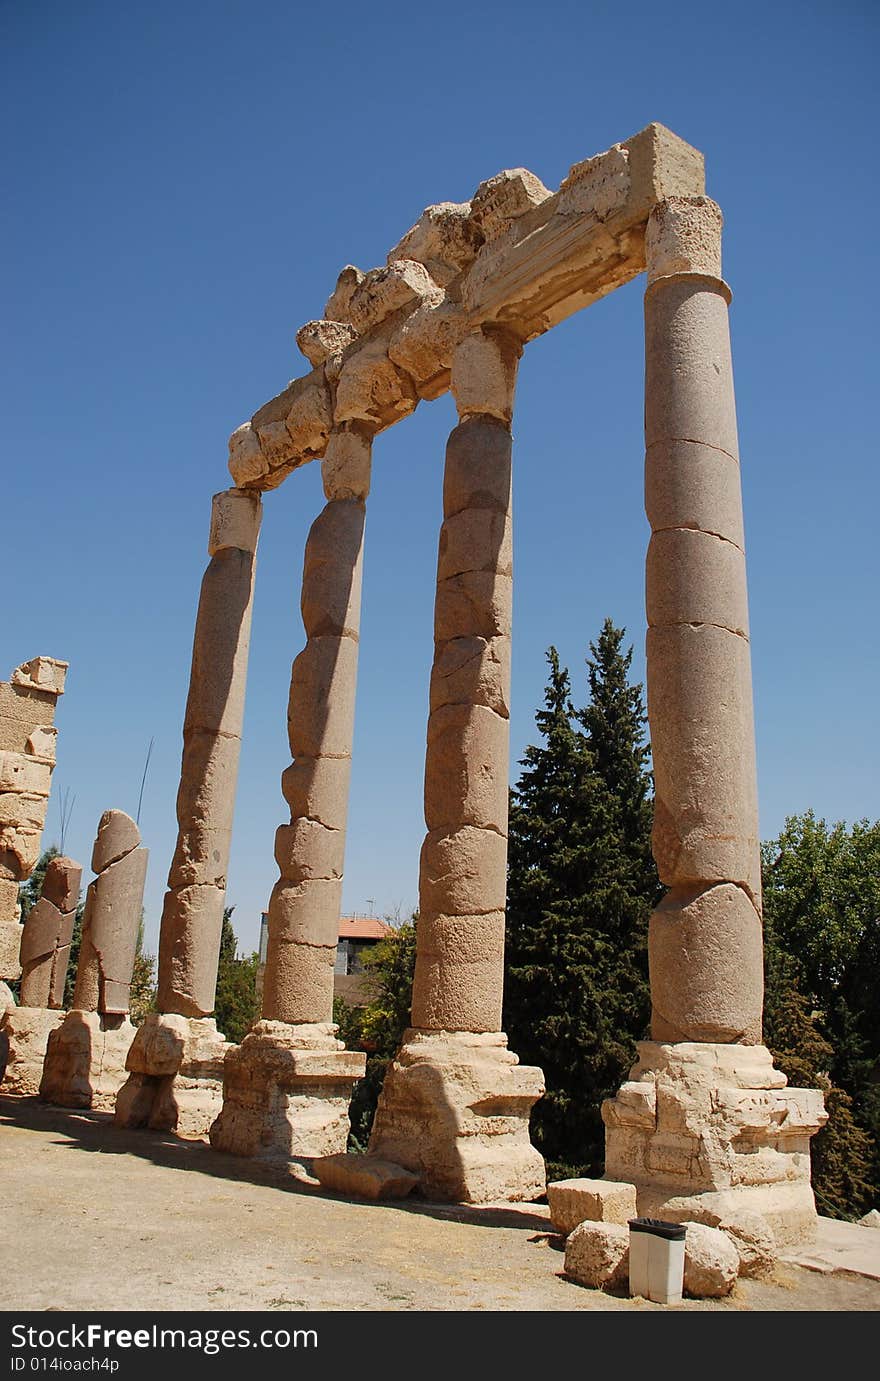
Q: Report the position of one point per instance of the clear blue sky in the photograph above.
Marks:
(183, 182)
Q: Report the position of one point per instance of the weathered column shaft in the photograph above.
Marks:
(192, 914)
(463, 878)
(705, 937)
(45, 944)
(114, 903)
(305, 903)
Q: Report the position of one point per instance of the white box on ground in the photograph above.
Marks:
(656, 1259)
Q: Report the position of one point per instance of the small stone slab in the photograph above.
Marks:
(596, 1201)
(366, 1177)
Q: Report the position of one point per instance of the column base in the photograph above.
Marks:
(85, 1060)
(175, 1075)
(24, 1035)
(710, 1133)
(286, 1091)
(454, 1110)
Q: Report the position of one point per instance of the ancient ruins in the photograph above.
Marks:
(705, 1129)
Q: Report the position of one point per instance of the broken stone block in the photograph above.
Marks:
(247, 462)
(596, 187)
(597, 1201)
(364, 1177)
(175, 1075)
(27, 1031)
(43, 674)
(371, 390)
(424, 343)
(597, 1255)
(711, 1262)
(403, 283)
(41, 744)
(346, 467)
(319, 339)
(444, 238)
(505, 197)
(339, 302)
(85, 1060)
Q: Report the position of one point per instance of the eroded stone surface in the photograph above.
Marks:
(114, 902)
(25, 1032)
(45, 945)
(27, 757)
(454, 1110)
(711, 1262)
(597, 1255)
(174, 1075)
(85, 1060)
(598, 1201)
(364, 1177)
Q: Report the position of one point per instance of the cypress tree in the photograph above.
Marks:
(581, 883)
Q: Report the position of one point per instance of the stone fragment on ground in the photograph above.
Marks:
(365, 1177)
(711, 1262)
(597, 1254)
(581, 1200)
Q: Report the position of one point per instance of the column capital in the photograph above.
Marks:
(235, 521)
(683, 235)
(347, 464)
(483, 377)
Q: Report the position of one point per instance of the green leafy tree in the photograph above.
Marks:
(822, 948)
(236, 1007)
(581, 884)
(378, 1026)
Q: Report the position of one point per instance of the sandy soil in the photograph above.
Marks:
(119, 1220)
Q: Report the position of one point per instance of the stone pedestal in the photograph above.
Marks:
(27, 1031)
(175, 1075)
(710, 1133)
(454, 1110)
(85, 1060)
(286, 1091)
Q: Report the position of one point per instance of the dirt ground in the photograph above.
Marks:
(116, 1220)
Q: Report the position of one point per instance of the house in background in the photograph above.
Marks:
(356, 934)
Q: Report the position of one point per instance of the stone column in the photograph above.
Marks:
(85, 1056)
(27, 758)
(176, 1061)
(286, 1089)
(45, 950)
(673, 1126)
(456, 1102)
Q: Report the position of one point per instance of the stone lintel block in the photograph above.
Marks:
(298, 984)
(117, 836)
(235, 521)
(459, 973)
(10, 947)
(483, 378)
(597, 187)
(504, 198)
(305, 912)
(477, 473)
(248, 465)
(332, 573)
(688, 485)
(472, 671)
(321, 704)
(339, 302)
(363, 1177)
(705, 954)
(317, 788)
(688, 370)
(23, 774)
(46, 674)
(703, 739)
(597, 1255)
(189, 947)
(402, 283)
(423, 345)
(463, 872)
(476, 539)
(220, 647)
(347, 465)
(307, 851)
(318, 340)
(474, 604)
(696, 577)
(466, 768)
(454, 1110)
(371, 390)
(684, 236)
(600, 1201)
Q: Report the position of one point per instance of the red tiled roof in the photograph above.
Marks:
(363, 928)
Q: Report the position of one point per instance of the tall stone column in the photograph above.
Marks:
(456, 1103)
(45, 950)
(176, 1060)
(682, 1127)
(286, 1089)
(85, 1056)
